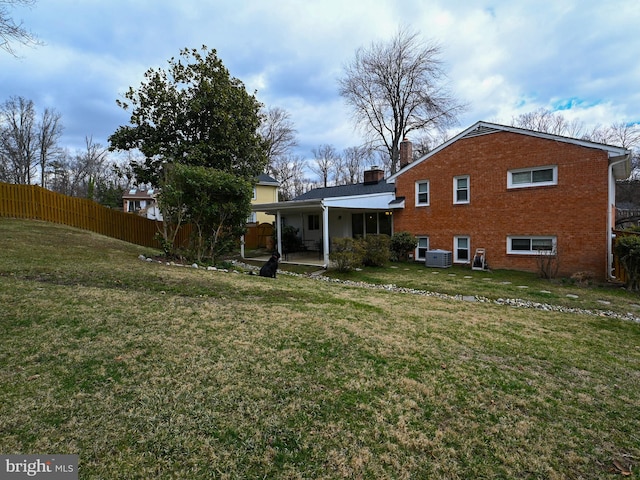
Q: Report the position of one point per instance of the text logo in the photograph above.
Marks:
(47, 467)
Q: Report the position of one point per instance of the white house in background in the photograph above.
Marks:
(143, 202)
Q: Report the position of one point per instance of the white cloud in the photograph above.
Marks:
(503, 57)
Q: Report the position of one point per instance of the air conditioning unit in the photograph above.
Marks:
(438, 258)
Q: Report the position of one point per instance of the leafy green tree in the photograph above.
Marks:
(215, 202)
(194, 113)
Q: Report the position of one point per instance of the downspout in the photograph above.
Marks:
(612, 201)
(325, 234)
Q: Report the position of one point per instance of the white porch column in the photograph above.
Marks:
(279, 233)
(325, 234)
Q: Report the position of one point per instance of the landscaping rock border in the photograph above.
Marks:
(511, 302)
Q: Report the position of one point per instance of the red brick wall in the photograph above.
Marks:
(574, 210)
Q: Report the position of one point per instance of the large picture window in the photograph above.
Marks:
(532, 177)
(371, 223)
(533, 245)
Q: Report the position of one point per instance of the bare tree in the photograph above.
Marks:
(621, 134)
(398, 87)
(50, 130)
(77, 174)
(326, 158)
(289, 171)
(10, 31)
(352, 164)
(18, 140)
(543, 120)
(278, 133)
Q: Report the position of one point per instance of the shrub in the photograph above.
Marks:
(402, 243)
(628, 251)
(376, 250)
(548, 264)
(346, 254)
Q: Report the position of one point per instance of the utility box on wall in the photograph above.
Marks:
(438, 258)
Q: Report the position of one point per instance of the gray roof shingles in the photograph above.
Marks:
(355, 189)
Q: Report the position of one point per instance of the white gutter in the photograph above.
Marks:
(613, 161)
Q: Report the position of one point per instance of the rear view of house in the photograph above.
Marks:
(516, 193)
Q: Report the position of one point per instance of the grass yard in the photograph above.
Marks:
(151, 371)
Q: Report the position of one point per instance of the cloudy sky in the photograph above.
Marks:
(503, 57)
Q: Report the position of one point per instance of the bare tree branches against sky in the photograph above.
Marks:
(502, 58)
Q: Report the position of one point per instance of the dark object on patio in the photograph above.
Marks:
(270, 268)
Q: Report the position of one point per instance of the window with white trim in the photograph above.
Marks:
(255, 193)
(422, 193)
(461, 249)
(422, 248)
(531, 245)
(532, 177)
(461, 189)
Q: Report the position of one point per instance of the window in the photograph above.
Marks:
(255, 193)
(461, 189)
(357, 225)
(385, 223)
(372, 223)
(422, 193)
(531, 245)
(422, 248)
(252, 218)
(532, 177)
(313, 222)
(461, 249)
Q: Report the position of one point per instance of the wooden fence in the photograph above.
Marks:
(37, 203)
(618, 270)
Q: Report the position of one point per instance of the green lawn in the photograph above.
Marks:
(153, 371)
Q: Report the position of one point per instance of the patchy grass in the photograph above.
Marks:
(149, 371)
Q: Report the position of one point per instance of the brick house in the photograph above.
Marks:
(515, 193)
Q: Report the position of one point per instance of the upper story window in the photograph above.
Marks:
(532, 177)
(422, 193)
(255, 193)
(461, 189)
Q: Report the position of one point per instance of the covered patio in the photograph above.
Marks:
(322, 214)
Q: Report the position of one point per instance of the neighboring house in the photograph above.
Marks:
(514, 193)
(265, 191)
(143, 202)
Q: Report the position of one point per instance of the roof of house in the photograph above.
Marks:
(486, 128)
(352, 190)
(139, 194)
(265, 179)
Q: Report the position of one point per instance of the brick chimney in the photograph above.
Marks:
(373, 175)
(406, 152)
